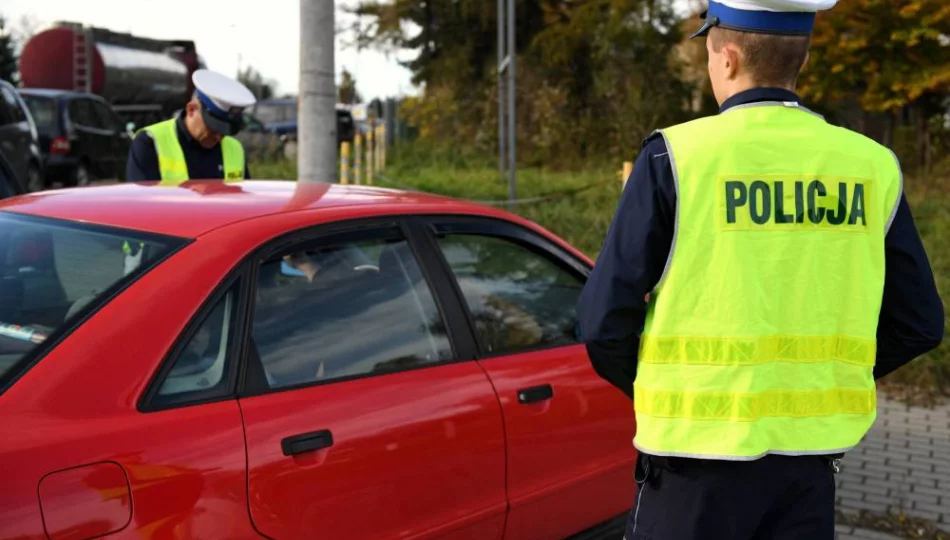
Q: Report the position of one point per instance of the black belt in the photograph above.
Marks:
(648, 466)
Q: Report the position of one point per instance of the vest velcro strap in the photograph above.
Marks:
(757, 350)
(750, 407)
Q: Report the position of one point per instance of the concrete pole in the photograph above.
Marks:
(512, 133)
(316, 110)
(501, 89)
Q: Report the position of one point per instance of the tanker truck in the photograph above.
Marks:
(146, 80)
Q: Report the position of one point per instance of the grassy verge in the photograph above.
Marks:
(583, 218)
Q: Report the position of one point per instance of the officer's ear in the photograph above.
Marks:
(192, 108)
(731, 58)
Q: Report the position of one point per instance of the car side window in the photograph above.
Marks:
(252, 125)
(199, 371)
(81, 113)
(345, 306)
(6, 182)
(13, 105)
(106, 118)
(518, 298)
(8, 108)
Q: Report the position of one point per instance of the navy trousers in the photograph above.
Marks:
(775, 497)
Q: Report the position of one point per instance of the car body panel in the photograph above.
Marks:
(430, 442)
(569, 456)
(61, 414)
(147, 206)
(10, 185)
(217, 470)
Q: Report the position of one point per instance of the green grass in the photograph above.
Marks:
(930, 203)
(583, 218)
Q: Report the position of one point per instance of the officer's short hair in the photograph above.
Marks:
(771, 60)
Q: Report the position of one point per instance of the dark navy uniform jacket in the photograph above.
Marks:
(612, 310)
(203, 163)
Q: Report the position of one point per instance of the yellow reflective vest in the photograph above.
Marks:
(760, 337)
(171, 158)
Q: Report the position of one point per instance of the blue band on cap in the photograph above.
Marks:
(215, 111)
(773, 22)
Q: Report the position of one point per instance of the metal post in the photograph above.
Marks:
(370, 171)
(358, 159)
(512, 146)
(316, 114)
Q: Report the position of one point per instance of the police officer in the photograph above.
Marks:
(198, 143)
(785, 275)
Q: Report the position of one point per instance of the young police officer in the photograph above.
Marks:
(786, 275)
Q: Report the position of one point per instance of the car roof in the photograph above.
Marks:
(197, 207)
(53, 93)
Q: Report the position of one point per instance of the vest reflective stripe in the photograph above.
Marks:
(755, 406)
(761, 335)
(171, 158)
(759, 350)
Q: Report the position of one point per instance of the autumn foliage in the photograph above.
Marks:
(595, 76)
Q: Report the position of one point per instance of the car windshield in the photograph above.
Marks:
(43, 110)
(52, 272)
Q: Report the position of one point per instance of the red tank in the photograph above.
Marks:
(126, 70)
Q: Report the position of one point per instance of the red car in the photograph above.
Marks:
(284, 360)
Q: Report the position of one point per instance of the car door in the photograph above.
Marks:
(89, 137)
(116, 140)
(9, 184)
(364, 414)
(258, 142)
(568, 432)
(16, 139)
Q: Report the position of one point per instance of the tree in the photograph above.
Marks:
(27, 27)
(594, 76)
(8, 56)
(347, 92)
(886, 56)
(254, 81)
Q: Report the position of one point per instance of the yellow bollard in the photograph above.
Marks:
(381, 164)
(369, 157)
(345, 163)
(357, 159)
(376, 153)
(627, 171)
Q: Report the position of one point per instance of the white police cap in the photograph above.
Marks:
(785, 17)
(223, 101)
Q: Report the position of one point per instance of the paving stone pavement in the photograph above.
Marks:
(901, 467)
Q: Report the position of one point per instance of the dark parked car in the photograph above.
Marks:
(263, 143)
(9, 184)
(18, 139)
(81, 137)
(280, 117)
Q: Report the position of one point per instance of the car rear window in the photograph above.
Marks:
(54, 272)
(44, 112)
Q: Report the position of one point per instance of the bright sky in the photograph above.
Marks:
(264, 34)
